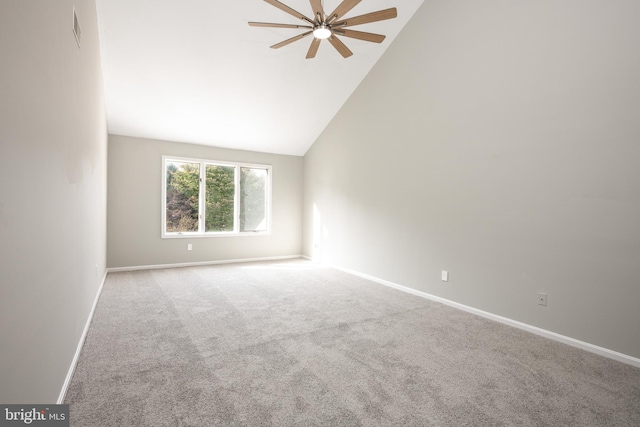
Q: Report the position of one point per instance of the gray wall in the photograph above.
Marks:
(498, 140)
(53, 153)
(134, 206)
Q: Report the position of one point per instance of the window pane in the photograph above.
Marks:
(183, 188)
(253, 199)
(220, 198)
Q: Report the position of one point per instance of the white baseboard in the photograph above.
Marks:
(76, 356)
(193, 264)
(510, 322)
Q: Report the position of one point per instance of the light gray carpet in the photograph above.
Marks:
(295, 344)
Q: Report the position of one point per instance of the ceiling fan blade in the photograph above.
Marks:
(316, 5)
(342, 9)
(268, 24)
(287, 9)
(313, 49)
(340, 47)
(291, 40)
(370, 37)
(380, 15)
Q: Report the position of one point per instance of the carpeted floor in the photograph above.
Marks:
(295, 344)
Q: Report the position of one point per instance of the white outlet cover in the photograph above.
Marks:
(542, 298)
(445, 276)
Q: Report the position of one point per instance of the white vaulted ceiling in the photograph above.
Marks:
(194, 71)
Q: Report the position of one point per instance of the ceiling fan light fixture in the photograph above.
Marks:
(321, 32)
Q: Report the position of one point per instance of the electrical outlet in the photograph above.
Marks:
(542, 298)
(444, 276)
(189, 247)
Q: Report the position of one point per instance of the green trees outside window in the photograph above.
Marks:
(220, 198)
(183, 194)
(202, 197)
(253, 202)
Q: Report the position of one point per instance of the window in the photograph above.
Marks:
(212, 198)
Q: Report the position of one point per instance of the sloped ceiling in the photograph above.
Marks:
(194, 71)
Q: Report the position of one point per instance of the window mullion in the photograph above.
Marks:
(236, 200)
(202, 199)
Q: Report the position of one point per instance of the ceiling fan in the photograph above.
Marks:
(328, 26)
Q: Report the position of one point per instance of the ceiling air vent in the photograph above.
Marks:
(77, 31)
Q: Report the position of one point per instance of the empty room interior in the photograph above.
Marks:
(431, 219)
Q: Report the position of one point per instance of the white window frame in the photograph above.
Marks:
(202, 192)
